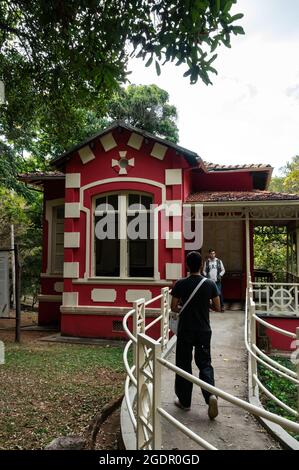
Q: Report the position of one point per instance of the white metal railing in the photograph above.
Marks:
(145, 375)
(258, 356)
(276, 298)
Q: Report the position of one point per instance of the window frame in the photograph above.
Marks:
(51, 204)
(123, 198)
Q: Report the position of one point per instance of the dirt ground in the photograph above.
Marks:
(51, 390)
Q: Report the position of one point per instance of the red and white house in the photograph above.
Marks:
(87, 284)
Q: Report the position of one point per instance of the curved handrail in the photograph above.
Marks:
(274, 328)
(253, 351)
(130, 379)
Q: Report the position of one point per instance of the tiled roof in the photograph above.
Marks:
(227, 196)
(190, 156)
(40, 175)
(217, 167)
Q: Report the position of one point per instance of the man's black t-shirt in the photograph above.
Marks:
(195, 317)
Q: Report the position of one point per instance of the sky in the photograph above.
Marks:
(251, 112)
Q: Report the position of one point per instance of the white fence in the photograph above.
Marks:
(144, 375)
(276, 298)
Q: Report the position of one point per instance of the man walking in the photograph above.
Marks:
(194, 331)
(214, 270)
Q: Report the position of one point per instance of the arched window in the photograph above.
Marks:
(124, 241)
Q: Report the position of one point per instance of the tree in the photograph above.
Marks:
(146, 107)
(289, 182)
(27, 220)
(62, 55)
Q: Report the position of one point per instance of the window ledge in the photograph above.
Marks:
(130, 281)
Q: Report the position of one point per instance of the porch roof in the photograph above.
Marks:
(37, 178)
(235, 196)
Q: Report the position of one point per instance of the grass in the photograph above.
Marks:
(280, 387)
(52, 390)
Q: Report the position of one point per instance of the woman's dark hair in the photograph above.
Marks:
(194, 261)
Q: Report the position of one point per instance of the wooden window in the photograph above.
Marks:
(122, 256)
(57, 239)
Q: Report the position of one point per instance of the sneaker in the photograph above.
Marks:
(179, 405)
(213, 407)
(222, 309)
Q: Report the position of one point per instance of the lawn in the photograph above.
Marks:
(51, 390)
(280, 387)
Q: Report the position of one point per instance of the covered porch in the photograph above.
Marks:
(230, 221)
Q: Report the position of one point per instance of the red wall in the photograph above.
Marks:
(277, 340)
(99, 326)
(49, 314)
(221, 181)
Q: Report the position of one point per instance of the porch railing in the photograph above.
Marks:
(144, 376)
(276, 298)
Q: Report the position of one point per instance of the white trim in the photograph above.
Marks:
(72, 210)
(49, 298)
(159, 151)
(105, 310)
(58, 287)
(108, 141)
(70, 299)
(71, 239)
(173, 270)
(135, 141)
(173, 239)
(51, 276)
(103, 295)
(49, 205)
(125, 282)
(284, 202)
(173, 176)
(87, 212)
(122, 206)
(70, 270)
(86, 154)
(72, 180)
(134, 294)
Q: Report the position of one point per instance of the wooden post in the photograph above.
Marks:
(13, 277)
(18, 295)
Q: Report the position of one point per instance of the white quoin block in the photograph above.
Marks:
(135, 141)
(173, 239)
(70, 299)
(135, 294)
(71, 270)
(72, 210)
(86, 154)
(72, 240)
(72, 180)
(173, 176)
(159, 151)
(173, 270)
(173, 208)
(108, 142)
(103, 295)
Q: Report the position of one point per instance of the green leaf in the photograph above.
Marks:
(148, 63)
(236, 17)
(158, 69)
(238, 30)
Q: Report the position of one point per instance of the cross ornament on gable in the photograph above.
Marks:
(123, 163)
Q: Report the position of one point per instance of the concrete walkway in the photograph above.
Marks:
(234, 428)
